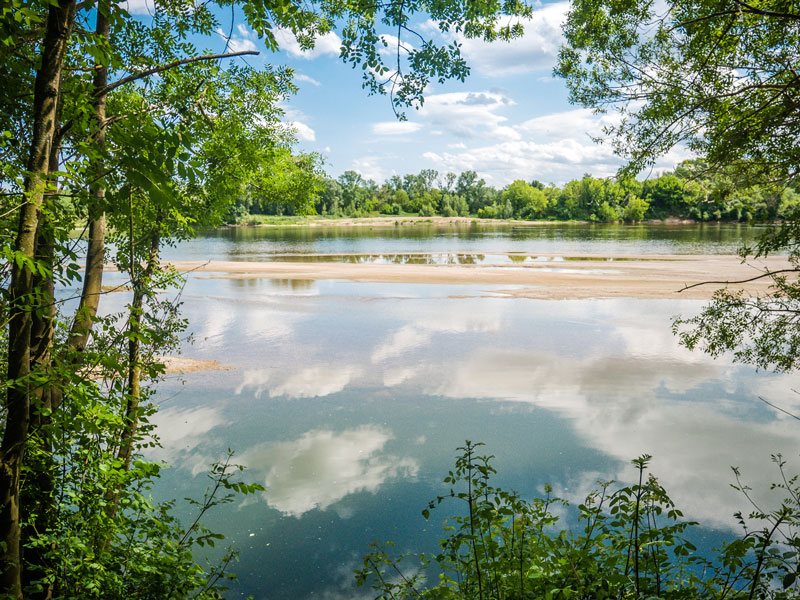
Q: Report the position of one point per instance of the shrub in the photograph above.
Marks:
(632, 544)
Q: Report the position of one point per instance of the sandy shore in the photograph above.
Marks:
(585, 276)
(181, 364)
(397, 220)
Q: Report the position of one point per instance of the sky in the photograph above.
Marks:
(509, 120)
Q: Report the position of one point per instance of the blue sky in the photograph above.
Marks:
(509, 120)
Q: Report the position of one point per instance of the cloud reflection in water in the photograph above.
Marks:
(308, 382)
(321, 467)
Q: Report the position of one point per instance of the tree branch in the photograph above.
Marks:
(766, 13)
(757, 277)
(168, 66)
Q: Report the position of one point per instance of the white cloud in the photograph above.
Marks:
(553, 148)
(328, 44)
(306, 79)
(624, 397)
(395, 127)
(469, 114)
(321, 467)
(458, 320)
(535, 50)
(139, 7)
(390, 49)
(303, 131)
(315, 382)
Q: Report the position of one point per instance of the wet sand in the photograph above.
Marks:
(584, 276)
(181, 364)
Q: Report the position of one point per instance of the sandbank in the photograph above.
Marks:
(577, 277)
(181, 364)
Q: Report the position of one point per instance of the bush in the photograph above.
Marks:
(632, 545)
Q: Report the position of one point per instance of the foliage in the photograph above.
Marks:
(635, 209)
(122, 123)
(762, 331)
(716, 76)
(632, 544)
(687, 193)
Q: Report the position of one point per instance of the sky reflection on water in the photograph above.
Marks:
(347, 401)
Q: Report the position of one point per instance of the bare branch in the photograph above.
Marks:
(757, 277)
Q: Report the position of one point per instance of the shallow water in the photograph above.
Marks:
(347, 401)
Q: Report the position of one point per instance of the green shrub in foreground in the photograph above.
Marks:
(631, 544)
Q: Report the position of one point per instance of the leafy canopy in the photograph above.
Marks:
(717, 75)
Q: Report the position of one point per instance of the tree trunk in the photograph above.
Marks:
(23, 292)
(95, 251)
(140, 282)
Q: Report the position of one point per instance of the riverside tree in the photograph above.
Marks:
(120, 121)
(720, 78)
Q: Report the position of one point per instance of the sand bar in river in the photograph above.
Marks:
(549, 277)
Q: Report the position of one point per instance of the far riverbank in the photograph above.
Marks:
(394, 221)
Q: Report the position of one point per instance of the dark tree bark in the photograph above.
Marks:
(23, 292)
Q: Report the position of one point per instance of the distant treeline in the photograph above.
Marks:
(686, 193)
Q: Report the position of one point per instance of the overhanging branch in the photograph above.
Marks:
(756, 278)
(172, 65)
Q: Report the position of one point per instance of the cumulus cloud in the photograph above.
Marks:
(395, 127)
(636, 391)
(183, 433)
(303, 131)
(325, 45)
(535, 50)
(315, 382)
(390, 43)
(457, 320)
(139, 7)
(612, 407)
(556, 147)
(321, 467)
(470, 114)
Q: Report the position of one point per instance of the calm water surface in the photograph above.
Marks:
(262, 243)
(347, 401)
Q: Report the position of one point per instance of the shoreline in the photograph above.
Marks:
(398, 220)
(581, 277)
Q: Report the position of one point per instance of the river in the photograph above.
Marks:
(347, 400)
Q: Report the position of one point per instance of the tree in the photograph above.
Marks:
(525, 199)
(110, 117)
(635, 209)
(720, 78)
(717, 76)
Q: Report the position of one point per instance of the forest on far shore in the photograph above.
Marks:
(688, 192)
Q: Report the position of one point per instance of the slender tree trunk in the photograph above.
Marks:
(22, 292)
(140, 283)
(95, 251)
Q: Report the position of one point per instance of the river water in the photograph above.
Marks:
(347, 400)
